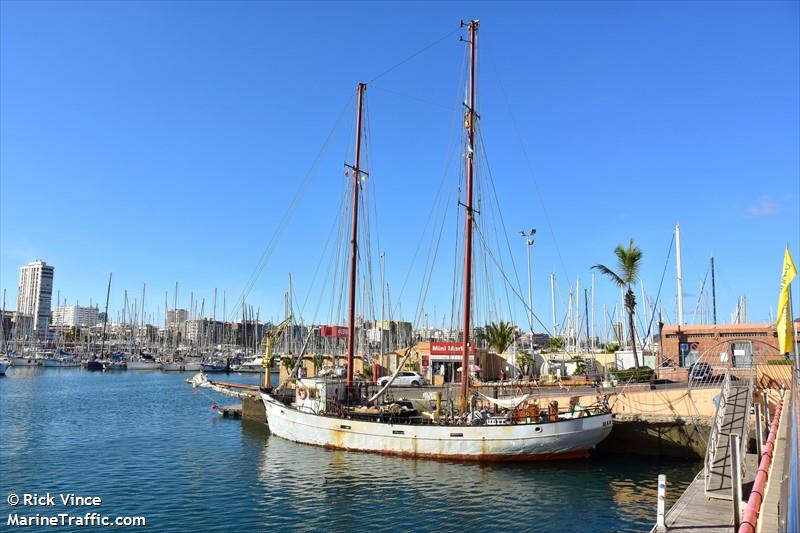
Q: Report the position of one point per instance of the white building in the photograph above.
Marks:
(34, 294)
(73, 315)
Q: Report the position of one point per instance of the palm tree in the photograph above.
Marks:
(628, 262)
(500, 336)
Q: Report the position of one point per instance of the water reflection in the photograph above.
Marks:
(148, 444)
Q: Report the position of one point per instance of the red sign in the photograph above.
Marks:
(333, 331)
(426, 359)
(449, 348)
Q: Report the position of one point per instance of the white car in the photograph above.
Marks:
(404, 379)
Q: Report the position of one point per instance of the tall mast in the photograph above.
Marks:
(714, 291)
(473, 38)
(351, 311)
(105, 316)
(553, 302)
(679, 275)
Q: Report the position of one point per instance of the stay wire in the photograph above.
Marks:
(415, 54)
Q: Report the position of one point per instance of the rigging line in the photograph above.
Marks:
(700, 295)
(446, 167)
(413, 97)
(433, 252)
(319, 263)
(661, 283)
(529, 165)
(485, 161)
(513, 290)
(415, 54)
(305, 184)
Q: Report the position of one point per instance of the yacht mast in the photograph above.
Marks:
(351, 312)
(471, 115)
(105, 317)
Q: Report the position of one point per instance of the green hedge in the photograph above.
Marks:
(633, 374)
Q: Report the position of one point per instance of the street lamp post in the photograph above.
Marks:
(528, 236)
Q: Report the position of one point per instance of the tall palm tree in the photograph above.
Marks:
(628, 262)
(500, 335)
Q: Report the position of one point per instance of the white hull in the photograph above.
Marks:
(143, 365)
(3, 366)
(519, 442)
(59, 363)
(250, 369)
(172, 367)
(193, 367)
(25, 361)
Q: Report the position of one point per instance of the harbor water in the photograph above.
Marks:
(149, 445)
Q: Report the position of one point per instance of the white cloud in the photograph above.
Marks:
(766, 206)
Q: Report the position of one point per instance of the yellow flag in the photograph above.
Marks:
(784, 325)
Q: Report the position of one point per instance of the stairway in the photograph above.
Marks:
(734, 414)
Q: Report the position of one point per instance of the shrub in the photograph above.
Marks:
(634, 374)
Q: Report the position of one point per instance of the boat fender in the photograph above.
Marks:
(302, 393)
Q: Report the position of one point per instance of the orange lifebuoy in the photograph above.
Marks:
(302, 393)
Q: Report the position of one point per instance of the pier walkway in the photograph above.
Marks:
(694, 511)
(734, 421)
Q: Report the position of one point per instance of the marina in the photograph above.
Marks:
(290, 294)
(212, 457)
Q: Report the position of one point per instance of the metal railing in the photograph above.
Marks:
(716, 428)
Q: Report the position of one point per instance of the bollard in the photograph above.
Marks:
(661, 524)
(759, 431)
(736, 480)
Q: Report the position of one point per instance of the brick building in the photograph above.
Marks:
(719, 345)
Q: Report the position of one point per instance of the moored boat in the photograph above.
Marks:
(336, 414)
(5, 362)
(193, 366)
(25, 361)
(394, 429)
(143, 364)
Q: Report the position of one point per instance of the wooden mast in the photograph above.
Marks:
(470, 118)
(351, 311)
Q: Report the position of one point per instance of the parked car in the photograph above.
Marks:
(699, 372)
(404, 379)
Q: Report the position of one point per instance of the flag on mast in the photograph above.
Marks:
(784, 324)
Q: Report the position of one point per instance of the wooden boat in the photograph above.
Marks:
(332, 414)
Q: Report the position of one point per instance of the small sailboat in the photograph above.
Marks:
(5, 362)
(336, 415)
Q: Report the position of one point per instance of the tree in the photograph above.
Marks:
(319, 360)
(628, 263)
(500, 335)
(288, 363)
(524, 360)
(555, 344)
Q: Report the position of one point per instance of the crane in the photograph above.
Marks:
(269, 339)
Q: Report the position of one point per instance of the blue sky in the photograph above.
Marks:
(164, 141)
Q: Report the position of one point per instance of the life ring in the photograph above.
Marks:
(302, 393)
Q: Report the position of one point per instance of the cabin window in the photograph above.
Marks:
(456, 434)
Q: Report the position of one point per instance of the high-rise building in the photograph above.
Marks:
(176, 317)
(73, 315)
(35, 293)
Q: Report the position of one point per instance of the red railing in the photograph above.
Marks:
(750, 517)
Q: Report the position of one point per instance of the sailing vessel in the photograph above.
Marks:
(335, 415)
(5, 362)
